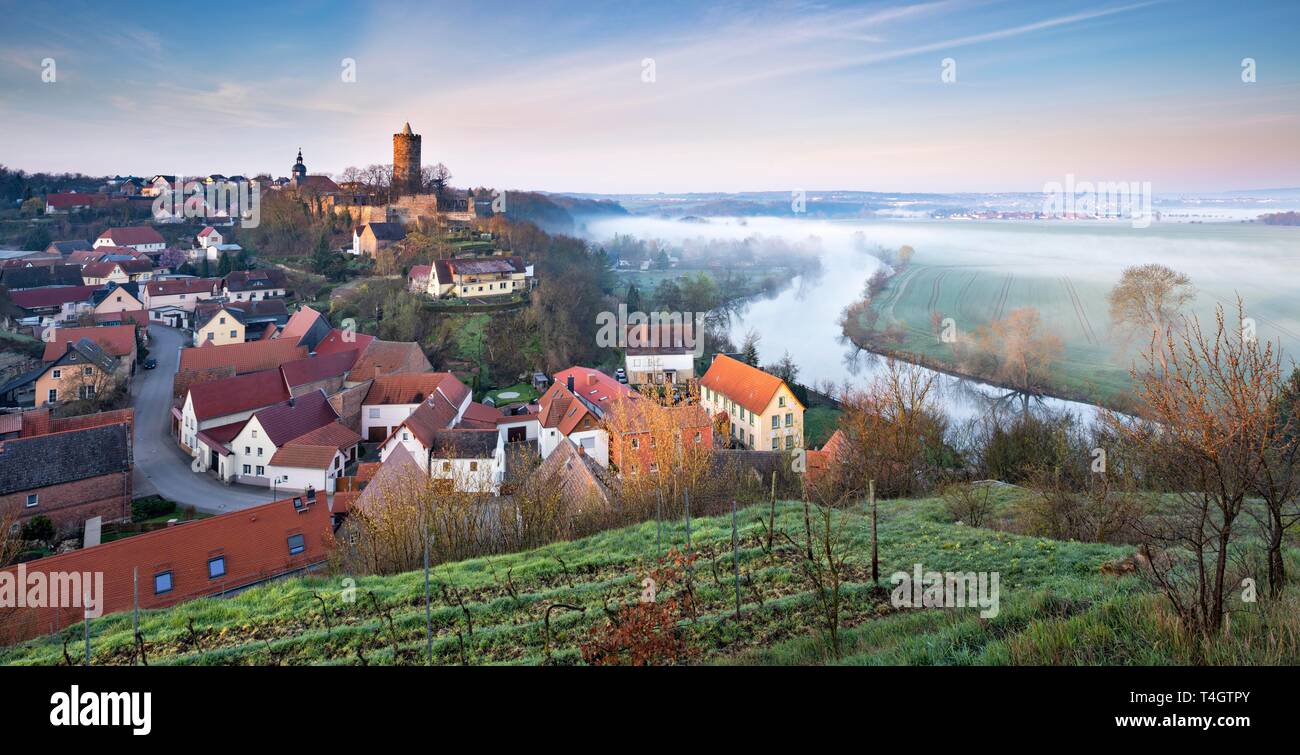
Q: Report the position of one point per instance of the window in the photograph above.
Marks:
(54, 395)
(216, 567)
(223, 321)
(473, 466)
(254, 433)
(87, 371)
(374, 412)
(296, 545)
(233, 335)
(446, 466)
(636, 443)
(32, 500)
(162, 582)
(774, 444)
(776, 421)
(248, 469)
(58, 374)
(259, 450)
(780, 401)
(248, 451)
(211, 335)
(261, 470)
(406, 435)
(789, 419)
(697, 437)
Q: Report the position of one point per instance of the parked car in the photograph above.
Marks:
(149, 363)
(621, 375)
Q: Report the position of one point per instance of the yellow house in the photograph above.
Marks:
(762, 411)
(222, 327)
(84, 371)
(472, 277)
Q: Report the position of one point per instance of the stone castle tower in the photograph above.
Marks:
(406, 162)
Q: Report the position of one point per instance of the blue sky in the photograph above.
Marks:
(746, 96)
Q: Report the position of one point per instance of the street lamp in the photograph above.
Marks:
(276, 481)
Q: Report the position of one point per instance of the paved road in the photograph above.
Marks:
(160, 465)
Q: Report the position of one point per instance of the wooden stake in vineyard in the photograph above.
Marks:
(735, 556)
(875, 550)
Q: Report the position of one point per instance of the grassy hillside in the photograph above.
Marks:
(1056, 607)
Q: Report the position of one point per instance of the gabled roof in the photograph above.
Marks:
(138, 234)
(40, 276)
(748, 386)
(460, 443)
(398, 477)
(68, 247)
(408, 388)
(253, 356)
(437, 413)
(56, 458)
(338, 340)
(593, 394)
(386, 231)
(575, 474)
(38, 298)
(182, 286)
(297, 416)
(480, 416)
(116, 340)
(208, 231)
(85, 351)
(255, 280)
(316, 449)
(386, 358)
(243, 393)
(311, 369)
(419, 271)
(253, 541)
(307, 327)
(667, 338)
(132, 288)
(484, 265)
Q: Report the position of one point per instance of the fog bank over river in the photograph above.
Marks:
(1223, 260)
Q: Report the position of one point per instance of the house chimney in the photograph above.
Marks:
(591, 379)
(569, 383)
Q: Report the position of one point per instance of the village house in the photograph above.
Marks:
(64, 202)
(760, 410)
(40, 276)
(68, 470)
(472, 277)
(212, 363)
(390, 399)
(116, 340)
(368, 239)
(59, 304)
(216, 556)
(117, 271)
(65, 248)
(296, 444)
(84, 370)
(218, 323)
(117, 297)
(172, 301)
(417, 280)
(250, 285)
(141, 237)
(225, 402)
(306, 327)
(663, 354)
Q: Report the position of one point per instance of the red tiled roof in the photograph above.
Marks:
(138, 234)
(117, 340)
(748, 386)
(134, 316)
(419, 271)
(299, 323)
(407, 388)
(316, 449)
(254, 543)
(295, 417)
(386, 358)
(563, 410)
(333, 435)
(64, 200)
(338, 340)
(51, 296)
(207, 231)
(244, 393)
(253, 356)
(309, 370)
(480, 416)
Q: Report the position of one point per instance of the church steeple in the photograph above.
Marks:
(298, 168)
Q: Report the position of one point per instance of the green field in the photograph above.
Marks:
(1056, 607)
(1092, 363)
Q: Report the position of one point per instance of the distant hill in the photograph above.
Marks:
(558, 213)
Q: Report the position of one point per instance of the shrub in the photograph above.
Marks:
(148, 508)
(39, 529)
(968, 502)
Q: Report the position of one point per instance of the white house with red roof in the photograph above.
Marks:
(140, 237)
(295, 444)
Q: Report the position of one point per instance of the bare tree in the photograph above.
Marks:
(1148, 298)
(1207, 401)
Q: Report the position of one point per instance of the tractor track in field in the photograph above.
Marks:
(1079, 311)
(936, 290)
(1001, 304)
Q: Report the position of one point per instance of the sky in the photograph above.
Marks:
(634, 97)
